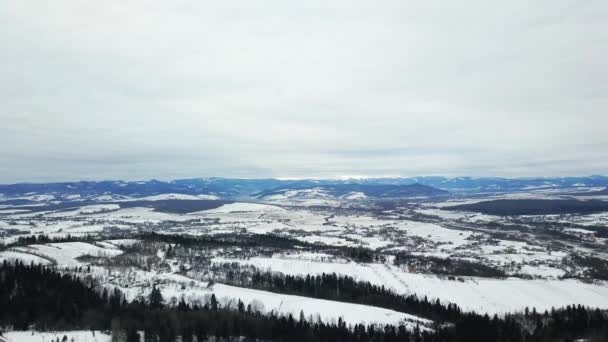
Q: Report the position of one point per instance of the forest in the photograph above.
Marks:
(533, 207)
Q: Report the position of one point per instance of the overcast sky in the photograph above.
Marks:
(174, 89)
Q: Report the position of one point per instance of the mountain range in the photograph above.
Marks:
(261, 188)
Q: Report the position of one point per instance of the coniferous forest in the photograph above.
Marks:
(39, 297)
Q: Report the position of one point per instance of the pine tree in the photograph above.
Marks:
(156, 298)
(133, 335)
(213, 303)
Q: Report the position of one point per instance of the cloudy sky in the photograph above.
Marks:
(317, 88)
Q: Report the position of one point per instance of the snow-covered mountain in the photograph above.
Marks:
(259, 188)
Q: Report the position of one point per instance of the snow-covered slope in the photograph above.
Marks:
(178, 286)
(486, 295)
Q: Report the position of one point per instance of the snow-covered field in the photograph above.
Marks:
(318, 309)
(264, 301)
(423, 230)
(486, 295)
(325, 227)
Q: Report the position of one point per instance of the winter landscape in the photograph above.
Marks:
(334, 252)
(303, 171)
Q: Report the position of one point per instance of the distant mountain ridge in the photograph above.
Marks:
(368, 190)
(248, 188)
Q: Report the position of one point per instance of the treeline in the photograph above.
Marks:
(259, 242)
(593, 267)
(275, 241)
(448, 266)
(573, 323)
(42, 238)
(344, 289)
(39, 239)
(223, 240)
(507, 207)
(38, 295)
(215, 241)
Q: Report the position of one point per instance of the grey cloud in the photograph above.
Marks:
(140, 89)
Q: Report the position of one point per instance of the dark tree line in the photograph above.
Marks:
(509, 207)
(223, 240)
(593, 267)
(346, 289)
(449, 266)
(40, 239)
(271, 241)
(257, 242)
(38, 295)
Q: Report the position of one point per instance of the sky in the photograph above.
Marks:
(93, 90)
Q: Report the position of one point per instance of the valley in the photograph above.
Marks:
(261, 252)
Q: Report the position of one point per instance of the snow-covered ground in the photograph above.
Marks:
(386, 233)
(75, 336)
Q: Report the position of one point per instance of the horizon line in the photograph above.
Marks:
(296, 178)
